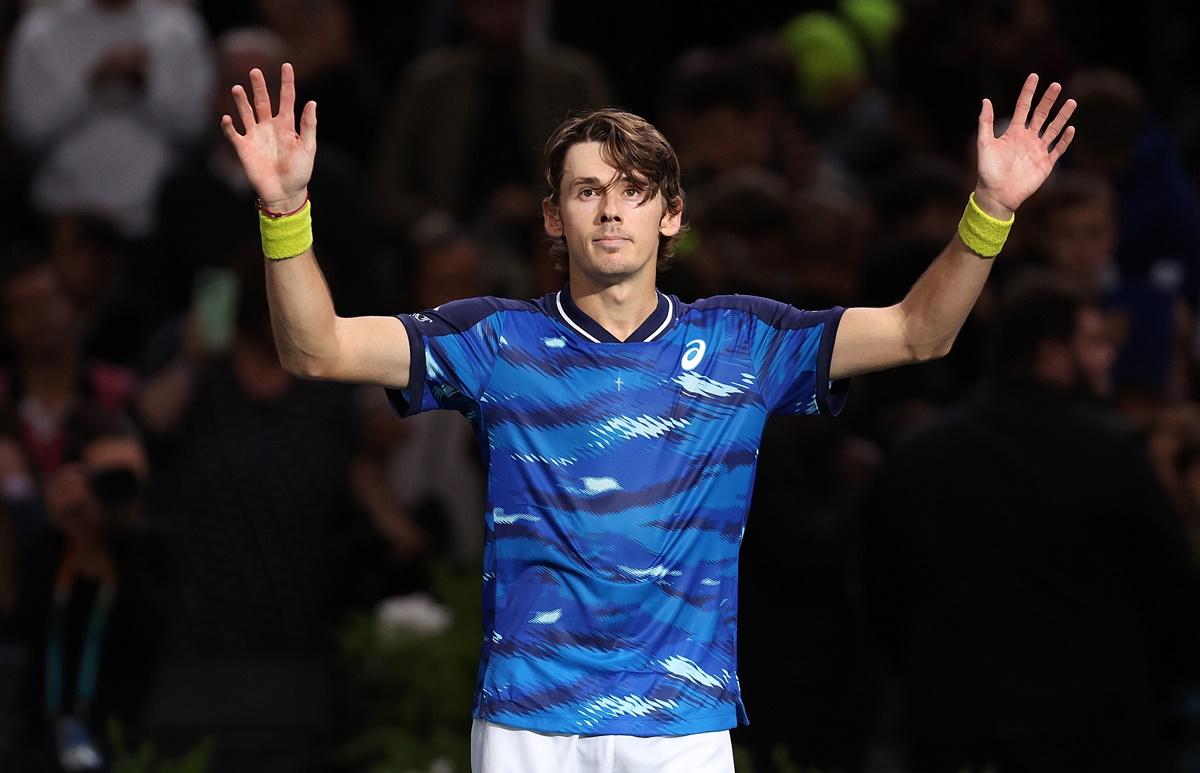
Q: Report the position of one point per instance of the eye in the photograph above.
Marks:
(587, 193)
(632, 192)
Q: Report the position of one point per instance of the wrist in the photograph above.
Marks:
(989, 204)
(981, 232)
(286, 234)
(284, 204)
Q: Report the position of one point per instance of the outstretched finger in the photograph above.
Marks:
(262, 100)
(229, 129)
(287, 92)
(1059, 121)
(1063, 142)
(243, 107)
(1043, 109)
(308, 127)
(1024, 101)
(987, 130)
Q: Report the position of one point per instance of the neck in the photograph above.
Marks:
(619, 308)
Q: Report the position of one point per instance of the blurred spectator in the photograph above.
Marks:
(93, 596)
(319, 40)
(93, 262)
(743, 227)
(916, 203)
(211, 181)
(1175, 450)
(975, 50)
(715, 114)
(20, 514)
(255, 472)
(1025, 569)
(448, 495)
(1158, 213)
(1074, 219)
(832, 234)
(841, 60)
(757, 236)
(810, 690)
(50, 374)
(464, 131)
(103, 92)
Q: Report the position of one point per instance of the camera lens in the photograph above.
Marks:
(116, 487)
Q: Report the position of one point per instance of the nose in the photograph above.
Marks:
(608, 209)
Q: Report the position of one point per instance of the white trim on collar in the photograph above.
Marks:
(571, 322)
(666, 322)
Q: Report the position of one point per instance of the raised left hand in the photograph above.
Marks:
(1014, 165)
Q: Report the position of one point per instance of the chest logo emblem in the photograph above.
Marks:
(692, 354)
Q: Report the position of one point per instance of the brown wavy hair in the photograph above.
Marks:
(635, 148)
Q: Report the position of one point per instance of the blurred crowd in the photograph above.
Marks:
(987, 560)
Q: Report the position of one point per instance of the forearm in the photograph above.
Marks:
(302, 315)
(938, 304)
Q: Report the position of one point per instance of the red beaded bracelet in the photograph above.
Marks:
(263, 208)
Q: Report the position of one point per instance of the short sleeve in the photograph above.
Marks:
(791, 350)
(452, 352)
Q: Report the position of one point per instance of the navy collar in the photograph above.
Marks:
(564, 308)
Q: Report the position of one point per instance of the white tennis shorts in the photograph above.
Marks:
(501, 749)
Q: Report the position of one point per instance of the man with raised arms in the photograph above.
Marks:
(620, 425)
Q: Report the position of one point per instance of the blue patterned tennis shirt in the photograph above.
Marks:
(619, 478)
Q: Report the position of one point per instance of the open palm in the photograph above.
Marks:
(1014, 165)
(277, 160)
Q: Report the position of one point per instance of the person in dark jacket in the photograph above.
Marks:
(1025, 570)
(94, 597)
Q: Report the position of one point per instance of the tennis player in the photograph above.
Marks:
(620, 425)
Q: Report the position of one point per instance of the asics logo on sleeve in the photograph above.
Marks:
(692, 354)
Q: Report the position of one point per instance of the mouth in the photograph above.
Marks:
(610, 239)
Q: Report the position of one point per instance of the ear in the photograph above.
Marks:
(551, 220)
(671, 223)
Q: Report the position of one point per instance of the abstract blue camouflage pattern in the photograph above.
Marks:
(619, 477)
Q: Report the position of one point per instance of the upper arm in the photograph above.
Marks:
(870, 339)
(371, 350)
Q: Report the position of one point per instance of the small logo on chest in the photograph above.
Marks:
(692, 354)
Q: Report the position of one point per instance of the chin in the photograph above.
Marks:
(612, 266)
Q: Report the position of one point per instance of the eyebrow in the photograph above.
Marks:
(596, 181)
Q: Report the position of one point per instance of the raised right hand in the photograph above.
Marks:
(277, 161)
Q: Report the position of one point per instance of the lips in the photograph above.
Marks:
(611, 239)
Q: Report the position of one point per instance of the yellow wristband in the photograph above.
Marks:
(983, 234)
(288, 236)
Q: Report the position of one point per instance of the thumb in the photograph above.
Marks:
(308, 127)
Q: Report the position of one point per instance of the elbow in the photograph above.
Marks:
(933, 351)
(305, 367)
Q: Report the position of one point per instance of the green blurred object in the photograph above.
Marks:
(420, 686)
(829, 58)
(144, 758)
(688, 243)
(877, 21)
(214, 306)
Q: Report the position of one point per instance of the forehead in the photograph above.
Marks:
(584, 160)
(114, 452)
